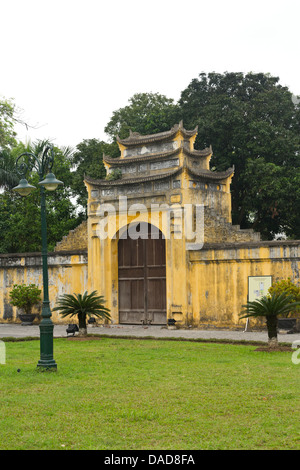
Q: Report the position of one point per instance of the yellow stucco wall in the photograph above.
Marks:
(67, 275)
(219, 277)
(205, 288)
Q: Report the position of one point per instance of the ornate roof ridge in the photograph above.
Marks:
(199, 153)
(153, 156)
(213, 175)
(141, 158)
(136, 180)
(137, 139)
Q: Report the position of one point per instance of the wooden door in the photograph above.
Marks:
(142, 278)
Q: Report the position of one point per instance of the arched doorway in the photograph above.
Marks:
(142, 277)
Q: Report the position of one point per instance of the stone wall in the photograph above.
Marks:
(67, 275)
(218, 230)
(218, 278)
(75, 240)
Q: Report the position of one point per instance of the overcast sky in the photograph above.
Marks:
(69, 64)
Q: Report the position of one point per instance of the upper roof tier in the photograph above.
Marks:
(157, 146)
(156, 155)
(204, 175)
(136, 139)
(164, 155)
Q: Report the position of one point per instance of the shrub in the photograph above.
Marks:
(82, 306)
(115, 174)
(271, 307)
(291, 290)
(25, 297)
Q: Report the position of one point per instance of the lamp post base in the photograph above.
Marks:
(45, 365)
(46, 345)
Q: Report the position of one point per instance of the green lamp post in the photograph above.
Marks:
(26, 162)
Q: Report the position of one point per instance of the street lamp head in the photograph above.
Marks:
(24, 188)
(50, 182)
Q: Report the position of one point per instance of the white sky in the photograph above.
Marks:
(69, 64)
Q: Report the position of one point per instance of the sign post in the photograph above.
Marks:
(258, 287)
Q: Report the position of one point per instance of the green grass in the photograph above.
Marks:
(144, 394)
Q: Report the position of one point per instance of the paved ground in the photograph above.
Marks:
(20, 331)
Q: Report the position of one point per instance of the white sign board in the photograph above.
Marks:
(258, 286)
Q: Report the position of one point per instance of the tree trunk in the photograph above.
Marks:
(82, 332)
(82, 325)
(272, 331)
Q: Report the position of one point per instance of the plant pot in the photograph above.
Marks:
(27, 318)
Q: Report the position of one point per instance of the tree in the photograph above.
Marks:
(82, 306)
(7, 121)
(147, 113)
(9, 116)
(20, 217)
(86, 160)
(252, 123)
(8, 175)
(272, 198)
(270, 306)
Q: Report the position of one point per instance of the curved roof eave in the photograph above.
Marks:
(212, 175)
(137, 180)
(137, 139)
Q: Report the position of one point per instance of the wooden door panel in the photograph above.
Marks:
(156, 294)
(130, 272)
(131, 295)
(142, 279)
(125, 294)
(137, 294)
(155, 271)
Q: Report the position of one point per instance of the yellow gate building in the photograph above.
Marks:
(159, 243)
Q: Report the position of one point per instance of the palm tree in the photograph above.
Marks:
(8, 175)
(269, 306)
(8, 172)
(82, 306)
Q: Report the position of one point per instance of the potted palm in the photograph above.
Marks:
(25, 298)
(82, 306)
(270, 306)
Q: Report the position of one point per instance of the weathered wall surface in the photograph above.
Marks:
(67, 274)
(205, 288)
(218, 230)
(218, 277)
(75, 240)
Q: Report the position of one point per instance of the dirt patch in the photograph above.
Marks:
(261, 347)
(82, 338)
(278, 348)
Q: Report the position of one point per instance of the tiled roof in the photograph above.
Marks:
(157, 156)
(203, 174)
(140, 158)
(137, 139)
(199, 153)
(134, 180)
(212, 175)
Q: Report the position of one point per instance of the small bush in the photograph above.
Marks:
(287, 287)
(115, 174)
(25, 297)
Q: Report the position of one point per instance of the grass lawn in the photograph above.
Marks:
(132, 394)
